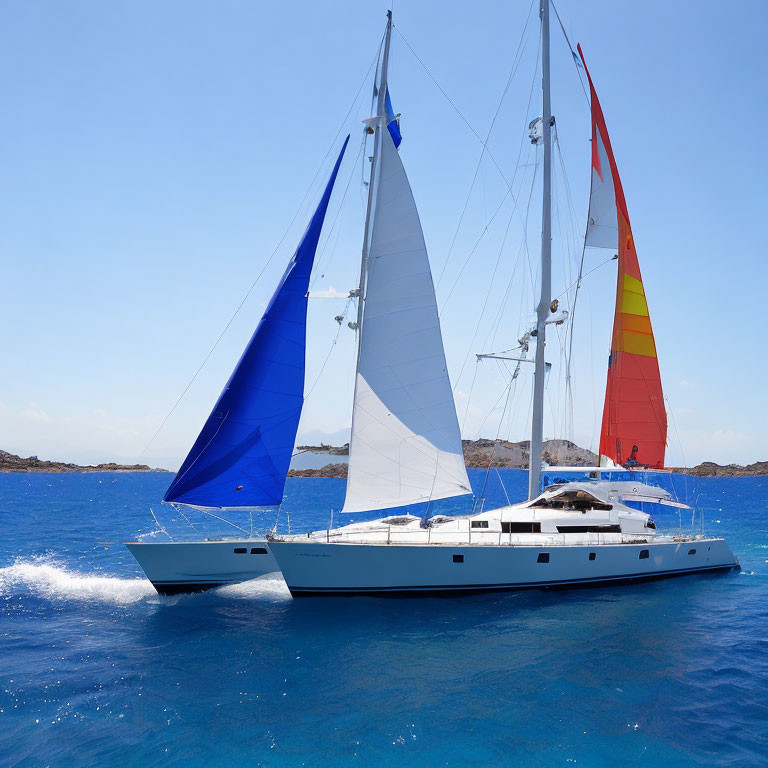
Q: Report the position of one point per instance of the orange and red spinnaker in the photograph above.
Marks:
(634, 413)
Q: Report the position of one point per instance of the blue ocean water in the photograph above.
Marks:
(98, 670)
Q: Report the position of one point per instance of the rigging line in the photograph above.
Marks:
(517, 161)
(490, 339)
(576, 61)
(496, 439)
(525, 226)
(515, 64)
(562, 335)
(581, 278)
(567, 184)
(223, 520)
(339, 209)
(536, 160)
(571, 319)
(474, 248)
(181, 512)
(450, 101)
(487, 297)
(592, 373)
(527, 252)
(572, 218)
(159, 526)
(682, 452)
(564, 220)
(263, 269)
(677, 435)
(469, 399)
(515, 198)
(503, 487)
(330, 351)
(495, 406)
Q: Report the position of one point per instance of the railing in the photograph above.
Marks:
(465, 538)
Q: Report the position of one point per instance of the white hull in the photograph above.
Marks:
(175, 567)
(314, 568)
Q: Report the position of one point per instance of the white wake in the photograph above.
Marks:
(55, 582)
(269, 587)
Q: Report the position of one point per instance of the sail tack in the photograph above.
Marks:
(406, 445)
(242, 455)
(634, 412)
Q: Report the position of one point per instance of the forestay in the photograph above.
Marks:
(242, 455)
(406, 445)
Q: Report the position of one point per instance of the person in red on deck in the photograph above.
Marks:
(632, 460)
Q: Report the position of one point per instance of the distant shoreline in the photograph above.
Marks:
(478, 454)
(10, 462)
(508, 455)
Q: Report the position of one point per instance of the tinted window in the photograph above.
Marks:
(521, 527)
(691, 551)
(240, 550)
(458, 558)
(479, 523)
(258, 551)
(589, 529)
(591, 555)
(643, 554)
(543, 557)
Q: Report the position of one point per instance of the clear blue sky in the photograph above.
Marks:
(153, 155)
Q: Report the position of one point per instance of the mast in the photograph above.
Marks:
(542, 310)
(378, 126)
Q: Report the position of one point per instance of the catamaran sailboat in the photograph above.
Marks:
(241, 457)
(406, 446)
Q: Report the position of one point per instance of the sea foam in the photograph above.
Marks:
(268, 587)
(53, 581)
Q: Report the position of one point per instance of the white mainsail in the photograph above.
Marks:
(406, 444)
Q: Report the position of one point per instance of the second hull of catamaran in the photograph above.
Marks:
(175, 567)
(316, 568)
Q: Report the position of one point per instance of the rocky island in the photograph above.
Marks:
(710, 469)
(478, 454)
(482, 453)
(9, 462)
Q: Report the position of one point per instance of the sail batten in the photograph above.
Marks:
(405, 446)
(634, 425)
(242, 455)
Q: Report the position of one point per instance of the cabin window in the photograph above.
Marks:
(458, 558)
(521, 527)
(241, 550)
(543, 557)
(258, 550)
(644, 554)
(589, 529)
(592, 555)
(691, 551)
(479, 523)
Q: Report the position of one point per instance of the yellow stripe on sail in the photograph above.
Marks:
(638, 343)
(633, 297)
(633, 284)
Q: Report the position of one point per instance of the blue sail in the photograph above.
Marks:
(242, 455)
(393, 121)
